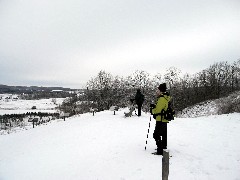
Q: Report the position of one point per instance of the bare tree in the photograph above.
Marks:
(99, 90)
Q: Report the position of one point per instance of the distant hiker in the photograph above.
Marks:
(160, 132)
(139, 98)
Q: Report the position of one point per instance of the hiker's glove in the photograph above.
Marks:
(152, 106)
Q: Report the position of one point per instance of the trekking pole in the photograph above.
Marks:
(148, 133)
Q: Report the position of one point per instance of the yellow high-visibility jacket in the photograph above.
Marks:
(162, 104)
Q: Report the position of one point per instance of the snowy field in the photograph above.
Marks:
(107, 147)
(19, 106)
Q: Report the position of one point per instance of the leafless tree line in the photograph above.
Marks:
(105, 90)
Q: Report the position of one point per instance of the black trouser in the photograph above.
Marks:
(160, 135)
(139, 109)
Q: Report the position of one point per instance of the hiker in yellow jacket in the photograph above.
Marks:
(160, 132)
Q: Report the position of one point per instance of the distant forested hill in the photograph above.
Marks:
(29, 89)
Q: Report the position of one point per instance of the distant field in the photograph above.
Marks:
(19, 106)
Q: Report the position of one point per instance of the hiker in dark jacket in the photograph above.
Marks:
(160, 132)
(139, 98)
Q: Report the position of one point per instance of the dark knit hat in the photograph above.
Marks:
(162, 87)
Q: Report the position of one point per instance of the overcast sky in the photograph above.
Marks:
(66, 42)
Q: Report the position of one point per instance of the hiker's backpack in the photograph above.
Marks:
(169, 113)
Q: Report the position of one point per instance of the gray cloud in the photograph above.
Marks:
(67, 42)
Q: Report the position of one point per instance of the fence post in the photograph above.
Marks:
(1, 120)
(92, 110)
(165, 165)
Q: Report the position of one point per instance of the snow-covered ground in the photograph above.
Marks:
(107, 147)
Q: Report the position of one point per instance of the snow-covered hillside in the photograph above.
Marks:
(202, 109)
(224, 105)
(107, 147)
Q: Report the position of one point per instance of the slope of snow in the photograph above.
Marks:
(105, 147)
(213, 107)
(202, 109)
